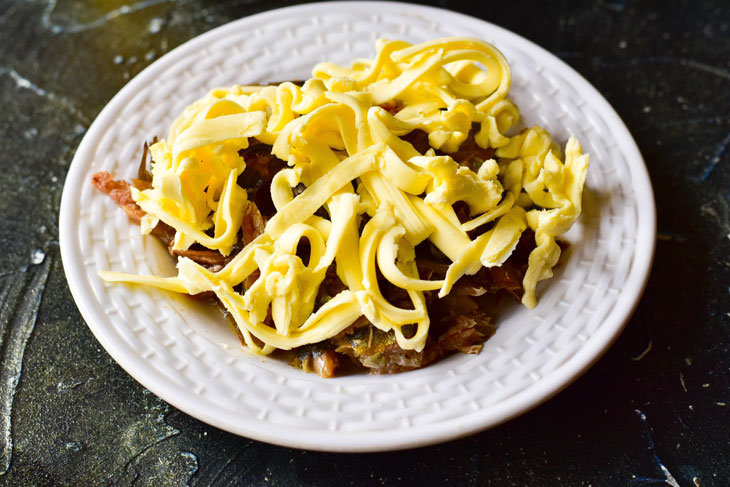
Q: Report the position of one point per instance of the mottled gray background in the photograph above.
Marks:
(655, 410)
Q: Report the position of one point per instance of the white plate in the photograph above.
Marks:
(189, 356)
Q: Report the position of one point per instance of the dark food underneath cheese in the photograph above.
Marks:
(343, 134)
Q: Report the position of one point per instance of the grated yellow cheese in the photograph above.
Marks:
(348, 152)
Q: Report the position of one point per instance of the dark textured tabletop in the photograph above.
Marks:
(655, 410)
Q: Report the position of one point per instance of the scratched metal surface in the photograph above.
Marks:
(655, 410)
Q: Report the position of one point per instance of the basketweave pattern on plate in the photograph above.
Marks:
(529, 344)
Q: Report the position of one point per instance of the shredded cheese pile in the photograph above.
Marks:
(348, 152)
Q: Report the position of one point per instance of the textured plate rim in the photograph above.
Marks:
(521, 402)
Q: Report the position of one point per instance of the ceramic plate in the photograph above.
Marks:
(188, 355)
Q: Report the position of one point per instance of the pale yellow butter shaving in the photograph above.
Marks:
(350, 154)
